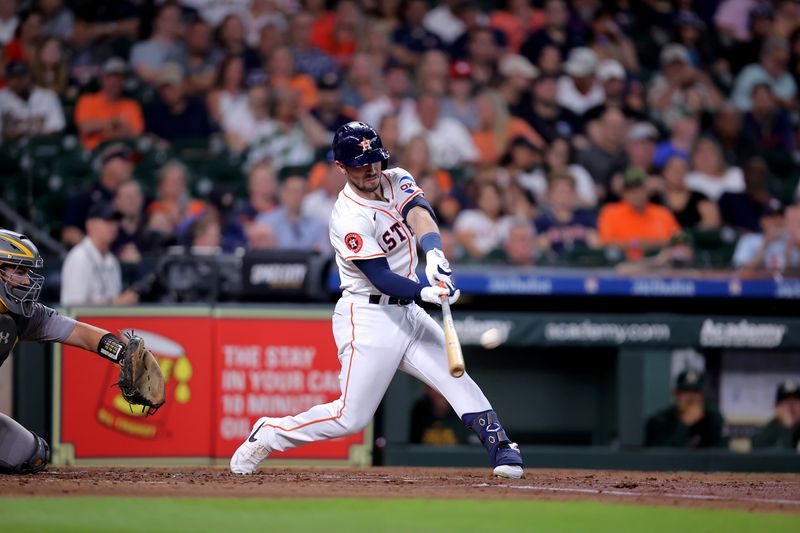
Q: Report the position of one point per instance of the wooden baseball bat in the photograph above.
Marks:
(455, 359)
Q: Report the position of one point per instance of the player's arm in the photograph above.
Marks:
(97, 340)
(352, 239)
(48, 325)
(420, 217)
(378, 272)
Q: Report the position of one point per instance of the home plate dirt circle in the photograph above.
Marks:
(754, 492)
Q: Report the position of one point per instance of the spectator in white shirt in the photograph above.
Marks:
(163, 46)
(288, 139)
(777, 247)
(772, 70)
(91, 274)
(483, 229)
(318, 204)
(559, 157)
(215, 11)
(680, 89)
(244, 124)
(229, 91)
(710, 173)
(442, 21)
(26, 110)
(395, 100)
(449, 140)
(8, 20)
(579, 90)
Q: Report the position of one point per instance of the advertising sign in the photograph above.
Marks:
(98, 422)
(223, 370)
(493, 329)
(275, 368)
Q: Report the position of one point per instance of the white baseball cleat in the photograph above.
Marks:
(253, 450)
(508, 471)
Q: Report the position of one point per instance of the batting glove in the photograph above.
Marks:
(437, 268)
(435, 293)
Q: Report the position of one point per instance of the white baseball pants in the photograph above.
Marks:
(373, 342)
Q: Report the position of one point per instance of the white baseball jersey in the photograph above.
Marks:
(374, 340)
(364, 229)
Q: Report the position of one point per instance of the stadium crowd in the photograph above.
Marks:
(541, 131)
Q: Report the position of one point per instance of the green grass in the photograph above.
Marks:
(83, 514)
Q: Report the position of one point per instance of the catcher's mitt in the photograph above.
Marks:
(140, 377)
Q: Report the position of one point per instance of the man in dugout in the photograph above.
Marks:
(783, 431)
(690, 422)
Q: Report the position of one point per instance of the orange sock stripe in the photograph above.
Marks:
(346, 383)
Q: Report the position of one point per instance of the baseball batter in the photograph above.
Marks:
(377, 221)
(22, 317)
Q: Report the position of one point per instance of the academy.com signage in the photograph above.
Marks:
(470, 330)
(662, 330)
(602, 332)
(741, 334)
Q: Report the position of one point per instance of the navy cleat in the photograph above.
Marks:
(504, 455)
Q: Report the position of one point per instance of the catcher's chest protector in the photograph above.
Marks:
(8, 336)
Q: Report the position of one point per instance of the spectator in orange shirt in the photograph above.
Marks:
(635, 223)
(106, 115)
(517, 19)
(174, 201)
(281, 74)
(337, 33)
(497, 128)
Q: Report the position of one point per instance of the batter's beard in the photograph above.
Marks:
(365, 190)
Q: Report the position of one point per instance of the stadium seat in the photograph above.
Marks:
(713, 248)
(583, 256)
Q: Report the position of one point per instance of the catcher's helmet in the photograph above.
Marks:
(19, 286)
(356, 144)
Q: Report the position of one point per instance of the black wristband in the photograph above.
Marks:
(111, 347)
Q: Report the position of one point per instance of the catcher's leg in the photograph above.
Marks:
(21, 450)
(370, 339)
(426, 360)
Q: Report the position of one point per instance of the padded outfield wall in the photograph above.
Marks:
(573, 388)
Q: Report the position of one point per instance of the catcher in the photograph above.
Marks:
(23, 318)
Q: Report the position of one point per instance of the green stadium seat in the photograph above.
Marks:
(713, 248)
(583, 256)
(146, 171)
(74, 168)
(227, 168)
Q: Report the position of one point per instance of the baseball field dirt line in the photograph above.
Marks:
(86, 514)
(753, 492)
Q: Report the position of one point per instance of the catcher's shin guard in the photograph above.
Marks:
(36, 462)
(504, 455)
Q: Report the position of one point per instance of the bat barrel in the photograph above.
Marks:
(455, 358)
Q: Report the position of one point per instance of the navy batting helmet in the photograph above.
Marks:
(356, 144)
(19, 285)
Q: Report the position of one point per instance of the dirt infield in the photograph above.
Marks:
(753, 492)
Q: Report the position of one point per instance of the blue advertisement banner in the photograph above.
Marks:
(487, 281)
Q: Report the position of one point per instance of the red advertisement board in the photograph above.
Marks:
(98, 422)
(275, 368)
(222, 374)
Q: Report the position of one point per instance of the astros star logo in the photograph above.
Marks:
(365, 145)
